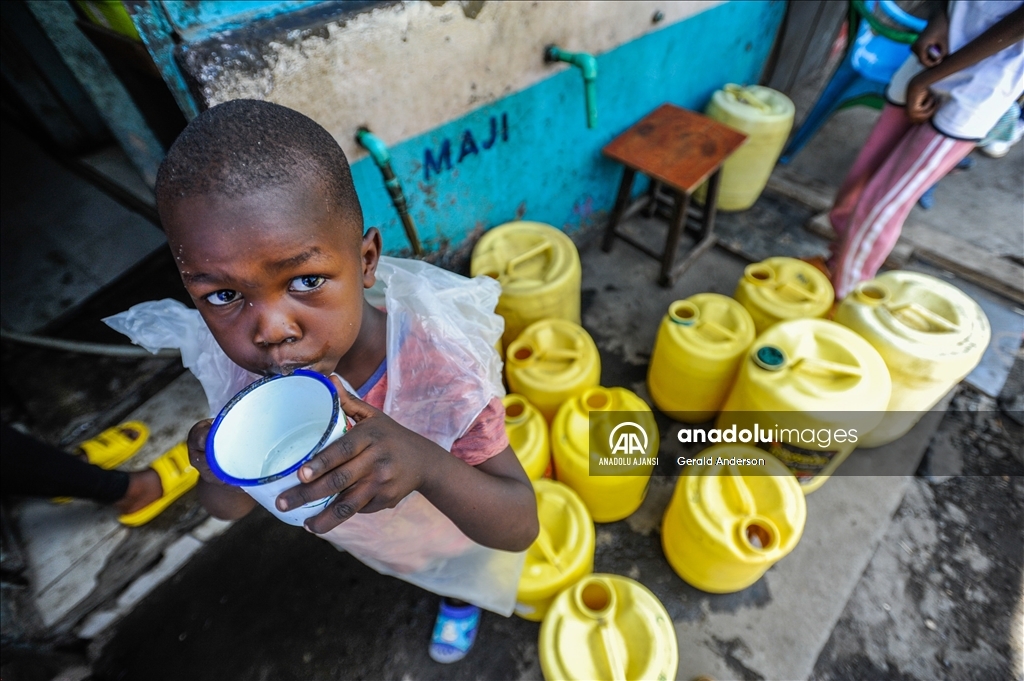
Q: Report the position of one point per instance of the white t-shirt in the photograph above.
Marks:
(975, 98)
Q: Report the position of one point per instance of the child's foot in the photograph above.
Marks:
(454, 631)
(144, 487)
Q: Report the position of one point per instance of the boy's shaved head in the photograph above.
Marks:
(246, 145)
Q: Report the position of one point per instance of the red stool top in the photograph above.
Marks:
(675, 146)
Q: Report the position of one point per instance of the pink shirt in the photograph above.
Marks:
(485, 438)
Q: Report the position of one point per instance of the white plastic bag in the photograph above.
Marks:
(169, 324)
(443, 369)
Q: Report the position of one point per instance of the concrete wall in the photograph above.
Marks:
(408, 68)
(481, 130)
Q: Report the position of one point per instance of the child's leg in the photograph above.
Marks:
(920, 159)
(888, 130)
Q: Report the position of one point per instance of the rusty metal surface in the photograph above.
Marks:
(676, 146)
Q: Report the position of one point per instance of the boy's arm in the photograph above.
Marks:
(493, 503)
(921, 104)
(220, 500)
(379, 462)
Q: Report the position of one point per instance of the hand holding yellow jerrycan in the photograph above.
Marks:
(729, 522)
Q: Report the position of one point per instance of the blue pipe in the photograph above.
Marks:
(587, 64)
(382, 157)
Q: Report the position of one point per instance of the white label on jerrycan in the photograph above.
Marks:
(261, 438)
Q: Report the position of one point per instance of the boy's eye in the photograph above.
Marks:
(223, 297)
(307, 282)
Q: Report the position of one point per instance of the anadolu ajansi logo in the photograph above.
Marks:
(626, 439)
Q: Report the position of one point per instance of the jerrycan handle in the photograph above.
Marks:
(744, 96)
(595, 597)
(743, 495)
(558, 353)
(612, 652)
(718, 328)
(798, 291)
(523, 257)
(827, 366)
(932, 317)
(543, 543)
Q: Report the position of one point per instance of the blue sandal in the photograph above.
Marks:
(454, 631)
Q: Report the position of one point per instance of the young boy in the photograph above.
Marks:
(261, 214)
(966, 71)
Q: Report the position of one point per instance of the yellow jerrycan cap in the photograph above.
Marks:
(561, 555)
(770, 358)
(608, 627)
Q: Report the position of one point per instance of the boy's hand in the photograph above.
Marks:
(932, 45)
(220, 499)
(921, 102)
(197, 451)
(373, 466)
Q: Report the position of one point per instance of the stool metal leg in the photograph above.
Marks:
(707, 230)
(621, 201)
(675, 231)
(711, 204)
(652, 201)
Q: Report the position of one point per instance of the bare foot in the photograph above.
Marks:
(144, 488)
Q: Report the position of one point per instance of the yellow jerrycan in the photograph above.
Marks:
(538, 268)
(550, 362)
(730, 518)
(780, 288)
(765, 116)
(700, 344)
(930, 335)
(607, 627)
(528, 435)
(611, 482)
(808, 390)
(563, 552)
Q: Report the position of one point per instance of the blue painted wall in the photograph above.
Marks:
(548, 165)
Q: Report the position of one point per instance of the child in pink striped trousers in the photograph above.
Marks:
(966, 71)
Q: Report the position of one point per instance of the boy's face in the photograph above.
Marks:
(278, 275)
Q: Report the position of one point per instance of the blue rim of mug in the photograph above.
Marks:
(211, 458)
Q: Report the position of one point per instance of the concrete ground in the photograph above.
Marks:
(898, 576)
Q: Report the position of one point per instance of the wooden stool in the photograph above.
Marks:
(677, 149)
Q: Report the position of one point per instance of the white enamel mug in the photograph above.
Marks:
(261, 438)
